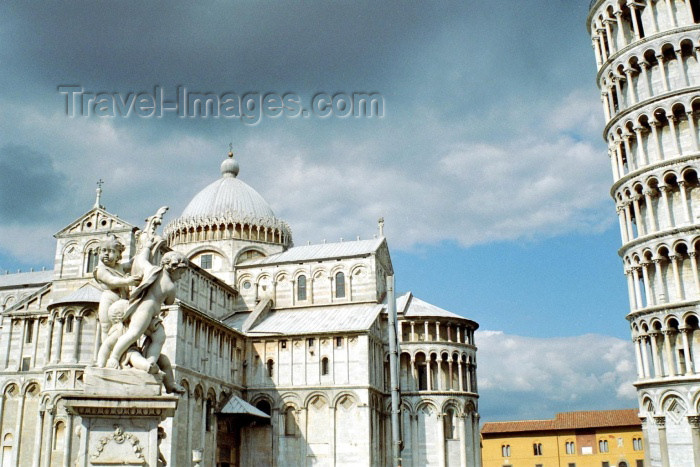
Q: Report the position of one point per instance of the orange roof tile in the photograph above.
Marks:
(569, 421)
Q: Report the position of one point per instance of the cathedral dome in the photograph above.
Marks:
(229, 204)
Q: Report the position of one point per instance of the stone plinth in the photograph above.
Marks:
(126, 382)
(120, 430)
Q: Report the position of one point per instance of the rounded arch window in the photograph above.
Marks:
(340, 285)
(301, 288)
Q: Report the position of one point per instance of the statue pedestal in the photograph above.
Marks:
(119, 428)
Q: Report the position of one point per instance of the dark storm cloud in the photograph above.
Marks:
(31, 189)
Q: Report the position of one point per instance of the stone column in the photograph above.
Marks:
(36, 340)
(655, 354)
(645, 355)
(681, 65)
(460, 375)
(635, 25)
(647, 284)
(618, 155)
(638, 354)
(437, 331)
(606, 105)
(641, 153)
(654, 124)
(621, 40)
(672, 120)
(623, 226)
(413, 383)
(59, 342)
(628, 220)
(477, 439)
(669, 9)
(613, 165)
(441, 439)
(596, 51)
(667, 204)
(694, 422)
(425, 338)
(630, 290)
(36, 461)
(428, 365)
(49, 438)
(77, 333)
(603, 50)
(662, 68)
(22, 335)
(611, 43)
(413, 331)
(621, 100)
(675, 259)
(663, 442)
(660, 289)
(645, 77)
(686, 350)
(414, 440)
(694, 265)
(693, 131)
(651, 218)
(462, 440)
(637, 290)
(682, 184)
(68, 442)
(18, 429)
(670, 367)
(9, 326)
(631, 94)
(641, 228)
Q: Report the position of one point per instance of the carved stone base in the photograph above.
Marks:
(119, 430)
(123, 382)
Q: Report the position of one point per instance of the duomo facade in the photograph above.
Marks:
(283, 351)
(647, 53)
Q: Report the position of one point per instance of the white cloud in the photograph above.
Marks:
(529, 378)
(429, 183)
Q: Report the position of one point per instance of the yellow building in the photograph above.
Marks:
(606, 438)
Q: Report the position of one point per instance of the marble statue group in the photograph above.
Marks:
(130, 310)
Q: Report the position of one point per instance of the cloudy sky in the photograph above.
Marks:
(487, 164)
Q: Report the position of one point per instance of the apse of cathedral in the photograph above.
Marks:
(282, 351)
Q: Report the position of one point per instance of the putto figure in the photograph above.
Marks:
(132, 330)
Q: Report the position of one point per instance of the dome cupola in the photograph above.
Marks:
(228, 209)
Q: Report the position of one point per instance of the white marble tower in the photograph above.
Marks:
(648, 72)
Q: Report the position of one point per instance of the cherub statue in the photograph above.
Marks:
(139, 317)
(114, 278)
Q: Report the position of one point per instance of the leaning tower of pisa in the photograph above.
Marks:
(647, 53)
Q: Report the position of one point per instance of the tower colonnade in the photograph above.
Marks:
(647, 55)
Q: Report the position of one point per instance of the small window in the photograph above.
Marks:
(310, 341)
(449, 424)
(603, 445)
(206, 261)
(570, 447)
(283, 344)
(537, 449)
(91, 261)
(246, 285)
(640, 463)
(505, 450)
(324, 366)
(340, 285)
(192, 290)
(637, 444)
(301, 288)
(290, 422)
(29, 334)
(338, 342)
(572, 464)
(207, 418)
(270, 368)
(69, 324)
(26, 362)
(211, 298)
(605, 464)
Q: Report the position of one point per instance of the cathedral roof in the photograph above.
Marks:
(322, 251)
(310, 320)
(88, 293)
(26, 278)
(229, 200)
(409, 306)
